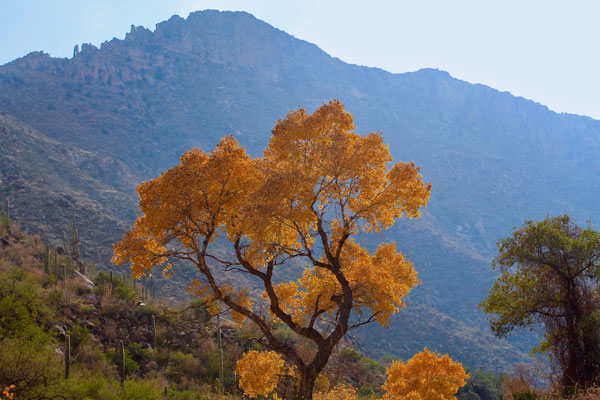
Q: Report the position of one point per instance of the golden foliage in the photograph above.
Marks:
(340, 392)
(187, 202)
(313, 164)
(379, 283)
(259, 372)
(426, 376)
(7, 393)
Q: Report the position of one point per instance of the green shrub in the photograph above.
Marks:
(184, 365)
(125, 293)
(23, 310)
(98, 387)
(79, 335)
(130, 365)
(138, 354)
(528, 395)
(366, 391)
(120, 288)
(134, 389)
(31, 363)
(56, 299)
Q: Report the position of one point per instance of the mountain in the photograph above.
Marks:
(79, 133)
(47, 180)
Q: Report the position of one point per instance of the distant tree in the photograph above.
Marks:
(317, 186)
(481, 385)
(549, 277)
(426, 376)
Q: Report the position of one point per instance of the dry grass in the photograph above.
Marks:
(587, 394)
(590, 394)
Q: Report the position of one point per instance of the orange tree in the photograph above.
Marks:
(426, 376)
(317, 185)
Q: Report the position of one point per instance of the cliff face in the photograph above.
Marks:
(122, 113)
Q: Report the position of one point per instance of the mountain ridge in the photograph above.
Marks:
(160, 27)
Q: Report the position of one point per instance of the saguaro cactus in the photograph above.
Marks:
(5, 215)
(47, 260)
(67, 356)
(221, 377)
(55, 268)
(153, 332)
(74, 239)
(122, 360)
(64, 238)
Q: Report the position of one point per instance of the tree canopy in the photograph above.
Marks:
(317, 185)
(549, 278)
(426, 376)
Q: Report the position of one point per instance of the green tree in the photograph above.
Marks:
(481, 385)
(549, 278)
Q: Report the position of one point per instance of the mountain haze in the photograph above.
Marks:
(77, 134)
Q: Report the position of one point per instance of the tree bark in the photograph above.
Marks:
(307, 384)
(575, 335)
(570, 372)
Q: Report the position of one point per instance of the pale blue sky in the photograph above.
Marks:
(544, 50)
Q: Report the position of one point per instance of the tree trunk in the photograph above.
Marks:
(570, 371)
(575, 362)
(306, 385)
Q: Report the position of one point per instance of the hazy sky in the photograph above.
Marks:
(544, 50)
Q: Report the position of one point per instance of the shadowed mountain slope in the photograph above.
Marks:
(130, 108)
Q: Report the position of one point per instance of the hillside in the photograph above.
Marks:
(170, 351)
(79, 133)
(48, 181)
